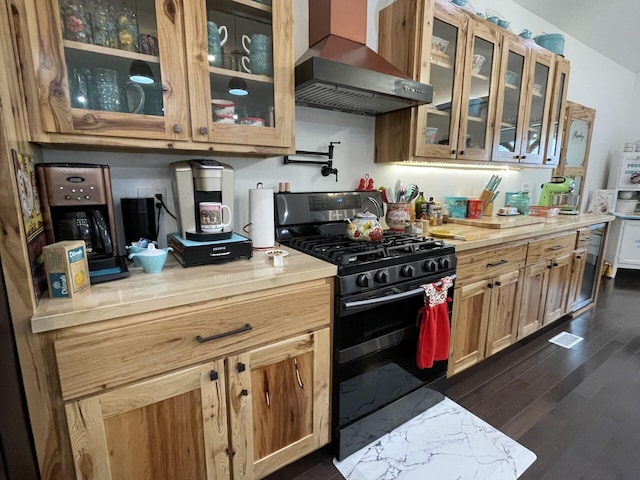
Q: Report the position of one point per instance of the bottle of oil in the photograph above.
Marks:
(421, 207)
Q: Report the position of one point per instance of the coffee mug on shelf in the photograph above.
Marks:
(258, 64)
(257, 42)
(252, 121)
(217, 37)
(211, 216)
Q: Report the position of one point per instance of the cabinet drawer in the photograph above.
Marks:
(99, 361)
(551, 247)
(584, 235)
(486, 263)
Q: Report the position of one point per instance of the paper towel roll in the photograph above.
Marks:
(261, 227)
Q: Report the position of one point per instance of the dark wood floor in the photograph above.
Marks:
(577, 409)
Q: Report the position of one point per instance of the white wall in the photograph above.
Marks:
(595, 82)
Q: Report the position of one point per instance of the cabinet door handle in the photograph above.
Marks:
(246, 328)
(516, 157)
(244, 392)
(461, 152)
(204, 130)
(298, 377)
(579, 257)
(177, 128)
(548, 266)
(497, 284)
(555, 264)
(453, 152)
(557, 247)
(501, 262)
(213, 375)
(522, 157)
(490, 285)
(241, 367)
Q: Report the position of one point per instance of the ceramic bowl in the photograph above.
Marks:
(512, 78)
(626, 206)
(625, 195)
(439, 44)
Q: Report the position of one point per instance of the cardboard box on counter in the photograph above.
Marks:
(67, 268)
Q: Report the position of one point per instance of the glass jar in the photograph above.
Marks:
(74, 17)
(520, 201)
(103, 24)
(127, 29)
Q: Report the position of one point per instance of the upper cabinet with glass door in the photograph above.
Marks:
(475, 138)
(558, 108)
(240, 63)
(442, 67)
(112, 67)
(523, 102)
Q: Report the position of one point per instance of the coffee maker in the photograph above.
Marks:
(77, 204)
(196, 181)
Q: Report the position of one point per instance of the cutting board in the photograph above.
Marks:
(496, 221)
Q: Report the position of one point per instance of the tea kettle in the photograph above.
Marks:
(365, 226)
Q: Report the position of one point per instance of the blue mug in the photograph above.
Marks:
(216, 38)
(259, 63)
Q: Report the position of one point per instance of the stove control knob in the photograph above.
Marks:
(444, 263)
(430, 266)
(407, 271)
(362, 280)
(382, 276)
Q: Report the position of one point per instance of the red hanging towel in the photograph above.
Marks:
(433, 322)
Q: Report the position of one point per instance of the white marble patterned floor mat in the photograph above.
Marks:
(446, 442)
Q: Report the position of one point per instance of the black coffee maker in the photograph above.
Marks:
(77, 204)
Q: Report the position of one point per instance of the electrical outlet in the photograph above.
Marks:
(151, 193)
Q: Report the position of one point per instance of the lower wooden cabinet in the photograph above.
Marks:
(485, 319)
(239, 417)
(558, 288)
(535, 282)
(578, 264)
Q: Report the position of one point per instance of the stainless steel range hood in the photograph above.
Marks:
(339, 72)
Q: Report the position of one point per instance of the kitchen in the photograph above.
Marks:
(315, 129)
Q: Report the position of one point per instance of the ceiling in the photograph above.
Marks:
(608, 26)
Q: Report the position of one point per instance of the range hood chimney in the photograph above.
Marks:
(339, 72)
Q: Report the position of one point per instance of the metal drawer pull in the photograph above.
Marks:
(501, 262)
(557, 247)
(246, 328)
(298, 377)
(219, 254)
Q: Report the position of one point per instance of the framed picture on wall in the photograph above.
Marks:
(601, 201)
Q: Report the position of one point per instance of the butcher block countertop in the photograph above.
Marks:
(477, 237)
(176, 286)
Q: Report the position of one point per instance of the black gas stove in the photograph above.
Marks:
(377, 384)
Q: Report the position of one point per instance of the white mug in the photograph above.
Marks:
(211, 216)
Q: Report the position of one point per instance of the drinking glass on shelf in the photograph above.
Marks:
(127, 29)
(74, 18)
(103, 26)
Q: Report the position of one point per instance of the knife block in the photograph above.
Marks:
(487, 204)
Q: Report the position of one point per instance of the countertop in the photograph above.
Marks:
(484, 237)
(176, 286)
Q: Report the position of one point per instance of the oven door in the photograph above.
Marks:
(375, 344)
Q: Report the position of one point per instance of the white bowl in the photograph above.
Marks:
(626, 206)
(625, 195)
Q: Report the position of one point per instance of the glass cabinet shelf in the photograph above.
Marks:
(91, 50)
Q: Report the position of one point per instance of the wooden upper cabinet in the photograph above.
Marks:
(194, 51)
(256, 53)
(492, 90)
(83, 65)
(522, 114)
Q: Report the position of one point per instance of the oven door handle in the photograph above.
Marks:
(390, 298)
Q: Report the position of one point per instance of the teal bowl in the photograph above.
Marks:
(151, 260)
(494, 20)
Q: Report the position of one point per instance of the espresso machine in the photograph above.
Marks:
(193, 182)
(77, 204)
